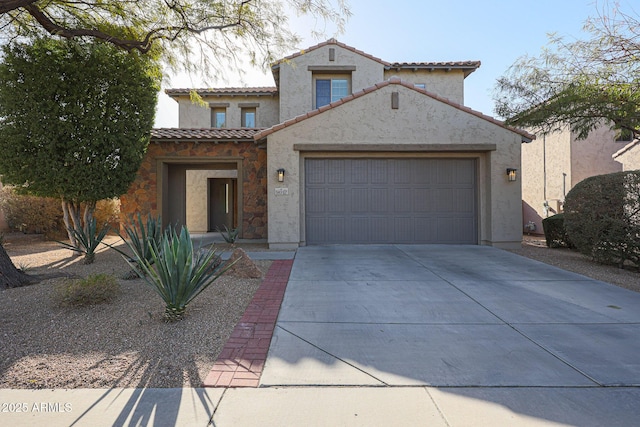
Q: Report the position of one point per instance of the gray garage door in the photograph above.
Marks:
(390, 201)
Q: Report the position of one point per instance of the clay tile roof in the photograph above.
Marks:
(527, 137)
(205, 134)
(224, 91)
(327, 43)
(467, 66)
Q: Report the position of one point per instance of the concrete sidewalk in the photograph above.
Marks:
(322, 406)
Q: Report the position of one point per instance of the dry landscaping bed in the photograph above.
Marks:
(122, 344)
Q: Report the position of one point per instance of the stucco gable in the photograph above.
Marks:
(526, 137)
(330, 42)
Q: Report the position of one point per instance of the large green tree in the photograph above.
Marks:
(582, 84)
(75, 120)
(204, 34)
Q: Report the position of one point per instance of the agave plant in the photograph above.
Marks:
(88, 238)
(229, 235)
(140, 237)
(178, 273)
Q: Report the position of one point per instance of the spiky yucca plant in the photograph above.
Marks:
(229, 235)
(178, 273)
(139, 237)
(88, 240)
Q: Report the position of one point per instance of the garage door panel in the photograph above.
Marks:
(335, 200)
(465, 200)
(403, 229)
(391, 201)
(465, 175)
(402, 200)
(359, 199)
(423, 200)
(315, 173)
(379, 171)
(402, 172)
(335, 170)
(336, 230)
(316, 200)
(359, 171)
(424, 229)
(379, 201)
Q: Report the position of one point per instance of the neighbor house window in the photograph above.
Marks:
(218, 117)
(328, 90)
(248, 117)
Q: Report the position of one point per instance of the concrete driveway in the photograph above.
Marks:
(449, 316)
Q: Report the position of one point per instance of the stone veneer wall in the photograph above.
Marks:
(142, 194)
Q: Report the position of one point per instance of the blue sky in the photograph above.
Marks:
(496, 32)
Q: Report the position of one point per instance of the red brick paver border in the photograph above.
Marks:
(241, 361)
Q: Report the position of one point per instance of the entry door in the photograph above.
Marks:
(221, 203)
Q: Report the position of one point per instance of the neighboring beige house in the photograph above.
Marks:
(345, 148)
(629, 156)
(554, 163)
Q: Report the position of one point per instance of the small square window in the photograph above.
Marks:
(218, 117)
(248, 117)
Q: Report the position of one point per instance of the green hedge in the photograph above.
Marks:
(602, 217)
(555, 233)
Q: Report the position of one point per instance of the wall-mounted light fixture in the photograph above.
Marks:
(280, 175)
(511, 174)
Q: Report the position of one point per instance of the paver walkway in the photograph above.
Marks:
(242, 359)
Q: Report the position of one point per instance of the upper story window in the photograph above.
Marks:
(330, 89)
(248, 117)
(218, 117)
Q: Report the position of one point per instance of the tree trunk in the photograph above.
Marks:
(71, 218)
(10, 276)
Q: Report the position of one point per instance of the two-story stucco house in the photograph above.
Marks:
(345, 148)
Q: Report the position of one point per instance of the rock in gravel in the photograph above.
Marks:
(244, 267)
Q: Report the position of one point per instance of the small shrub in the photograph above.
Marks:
(43, 215)
(555, 232)
(95, 289)
(31, 214)
(602, 217)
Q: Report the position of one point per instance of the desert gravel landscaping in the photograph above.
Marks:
(122, 344)
(126, 343)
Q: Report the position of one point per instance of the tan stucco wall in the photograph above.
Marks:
(197, 197)
(568, 161)
(556, 149)
(296, 81)
(593, 155)
(196, 116)
(448, 84)
(418, 120)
